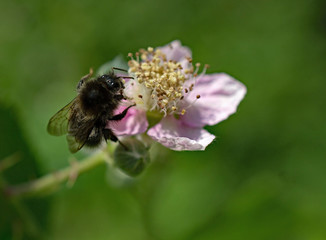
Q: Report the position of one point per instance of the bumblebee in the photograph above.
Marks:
(84, 119)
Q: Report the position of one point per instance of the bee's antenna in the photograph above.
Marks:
(127, 77)
(120, 69)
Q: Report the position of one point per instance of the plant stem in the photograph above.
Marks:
(52, 180)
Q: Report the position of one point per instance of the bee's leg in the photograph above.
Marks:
(108, 134)
(121, 115)
(84, 78)
(94, 138)
(119, 97)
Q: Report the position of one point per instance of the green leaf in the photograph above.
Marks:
(117, 62)
(18, 217)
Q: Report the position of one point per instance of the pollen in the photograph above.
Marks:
(160, 83)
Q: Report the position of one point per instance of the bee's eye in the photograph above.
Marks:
(113, 84)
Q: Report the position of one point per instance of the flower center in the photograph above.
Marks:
(159, 83)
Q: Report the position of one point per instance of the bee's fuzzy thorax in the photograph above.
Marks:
(96, 98)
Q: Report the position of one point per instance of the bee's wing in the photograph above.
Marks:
(58, 124)
(82, 132)
(73, 145)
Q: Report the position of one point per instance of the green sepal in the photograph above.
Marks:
(153, 118)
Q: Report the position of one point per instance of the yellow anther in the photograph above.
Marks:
(162, 79)
(173, 80)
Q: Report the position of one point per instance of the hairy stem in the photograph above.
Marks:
(53, 180)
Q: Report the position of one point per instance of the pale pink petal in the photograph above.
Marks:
(175, 135)
(175, 51)
(133, 123)
(220, 94)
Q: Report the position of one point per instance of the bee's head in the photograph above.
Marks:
(113, 82)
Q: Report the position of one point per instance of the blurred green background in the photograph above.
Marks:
(263, 178)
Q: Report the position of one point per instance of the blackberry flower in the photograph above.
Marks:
(174, 100)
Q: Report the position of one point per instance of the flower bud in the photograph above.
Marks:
(131, 157)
